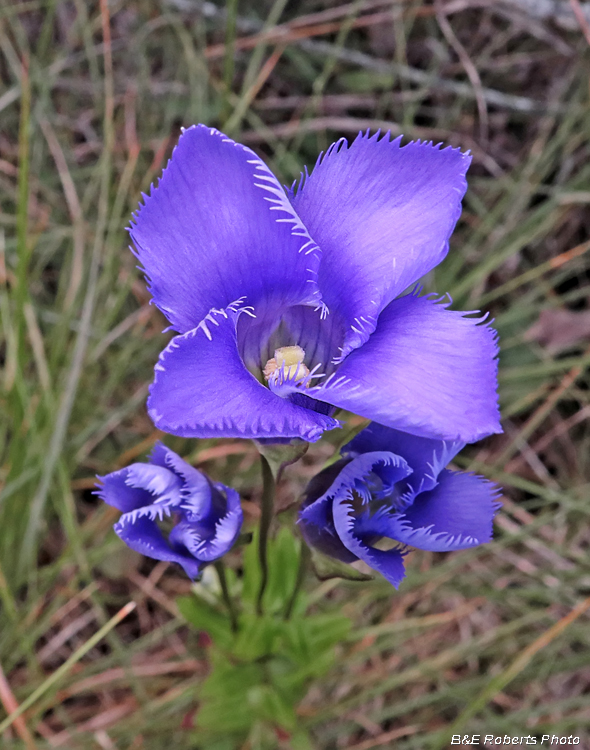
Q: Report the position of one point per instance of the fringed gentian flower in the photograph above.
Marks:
(208, 515)
(287, 304)
(393, 486)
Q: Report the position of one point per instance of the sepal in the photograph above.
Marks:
(281, 453)
(326, 568)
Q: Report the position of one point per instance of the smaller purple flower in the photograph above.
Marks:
(390, 485)
(208, 515)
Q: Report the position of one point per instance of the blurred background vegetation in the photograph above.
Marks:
(492, 640)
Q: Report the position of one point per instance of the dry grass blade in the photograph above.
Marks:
(470, 69)
(581, 18)
(66, 666)
(384, 739)
(74, 208)
(11, 706)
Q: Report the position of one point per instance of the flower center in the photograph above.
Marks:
(288, 360)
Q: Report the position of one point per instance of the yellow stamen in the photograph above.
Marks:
(291, 357)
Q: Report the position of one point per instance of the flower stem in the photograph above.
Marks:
(304, 557)
(233, 615)
(266, 508)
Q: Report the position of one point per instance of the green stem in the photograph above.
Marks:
(304, 557)
(233, 615)
(267, 504)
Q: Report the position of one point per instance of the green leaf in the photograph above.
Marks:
(257, 637)
(252, 575)
(291, 679)
(224, 704)
(300, 740)
(225, 714)
(203, 616)
(283, 564)
(261, 737)
(267, 702)
(220, 743)
(298, 645)
(309, 642)
(327, 630)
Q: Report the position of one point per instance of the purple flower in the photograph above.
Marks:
(288, 304)
(208, 515)
(391, 485)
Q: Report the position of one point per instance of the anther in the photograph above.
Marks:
(291, 359)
